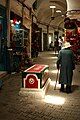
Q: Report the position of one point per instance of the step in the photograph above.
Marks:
(2, 74)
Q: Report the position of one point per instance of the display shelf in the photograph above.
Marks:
(19, 37)
(19, 42)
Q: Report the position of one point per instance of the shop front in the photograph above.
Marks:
(19, 43)
(3, 34)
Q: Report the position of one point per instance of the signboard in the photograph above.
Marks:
(31, 81)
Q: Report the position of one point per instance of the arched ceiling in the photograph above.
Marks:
(70, 8)
(73, 9)
(47, 16)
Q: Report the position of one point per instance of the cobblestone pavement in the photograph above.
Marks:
(55, 106)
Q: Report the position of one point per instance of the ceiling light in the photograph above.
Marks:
(58, 11)
(52, 6)
(62, 15)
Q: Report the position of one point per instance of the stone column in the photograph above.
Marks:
(22, 14)
(47, 36)
(42, 40)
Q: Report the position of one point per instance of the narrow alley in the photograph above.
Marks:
(55, 106)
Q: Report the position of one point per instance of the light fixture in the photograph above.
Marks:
(62, 15)
(11, 21)
(52, 6)
(58, 11)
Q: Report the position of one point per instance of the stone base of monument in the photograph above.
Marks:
(33, 93)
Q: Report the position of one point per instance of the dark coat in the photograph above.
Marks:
(66, 62)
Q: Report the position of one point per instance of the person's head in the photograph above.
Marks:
(60, 37)
(66, 45)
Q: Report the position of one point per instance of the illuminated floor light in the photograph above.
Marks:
(55, 57)
(52, 83)
(54, 100)
(56, 53)
(55, 65)
(51, 57)
(54, 71)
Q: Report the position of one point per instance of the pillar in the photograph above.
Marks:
(8, 21)
(47, 36)
(42, 41)
(72, 5)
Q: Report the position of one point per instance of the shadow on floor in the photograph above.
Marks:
(75, 87)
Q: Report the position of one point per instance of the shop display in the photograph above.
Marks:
(20, 37)
(3, 35)
(72, 34)
(20, 45)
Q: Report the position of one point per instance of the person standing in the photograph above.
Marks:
(66, 64)
(51, 46)
(60, 42)
(56, 46)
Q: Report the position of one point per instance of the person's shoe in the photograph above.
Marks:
(61, 90)
(68, 89)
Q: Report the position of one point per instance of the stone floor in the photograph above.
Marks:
(55, 106)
